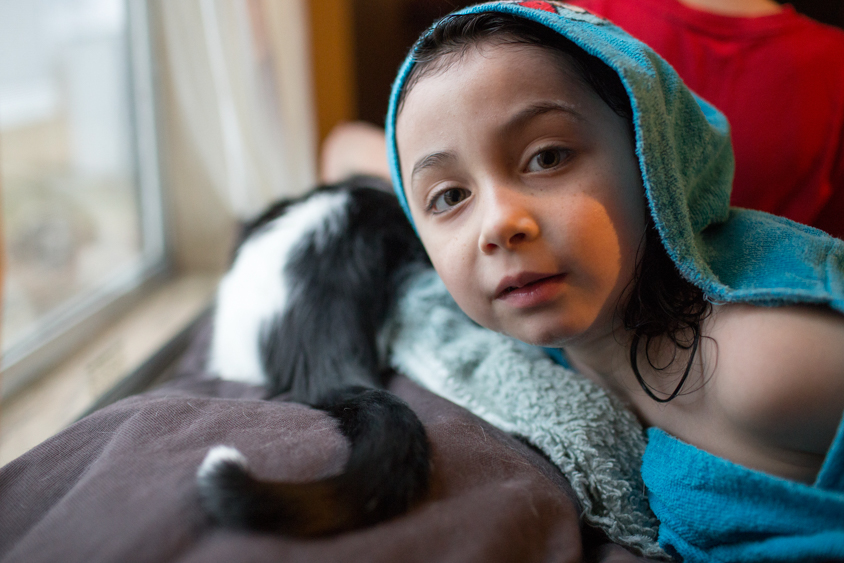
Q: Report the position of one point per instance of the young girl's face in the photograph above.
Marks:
(525, 190)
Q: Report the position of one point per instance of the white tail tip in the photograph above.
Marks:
(217, 456)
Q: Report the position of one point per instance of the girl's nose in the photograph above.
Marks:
(507, 223)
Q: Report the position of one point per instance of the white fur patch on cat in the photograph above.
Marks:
(254, 291)
(217, 456)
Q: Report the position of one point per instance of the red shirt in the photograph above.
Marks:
(779, 79)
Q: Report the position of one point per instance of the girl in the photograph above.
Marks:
(572, 193)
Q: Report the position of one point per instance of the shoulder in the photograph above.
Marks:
(779, 372)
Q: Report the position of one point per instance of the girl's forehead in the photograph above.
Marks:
(533, 71)
(486, 52)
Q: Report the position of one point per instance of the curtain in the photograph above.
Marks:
(240, 71)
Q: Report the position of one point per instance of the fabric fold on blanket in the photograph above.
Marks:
(595, 441)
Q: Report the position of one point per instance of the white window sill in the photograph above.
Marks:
(56, 400)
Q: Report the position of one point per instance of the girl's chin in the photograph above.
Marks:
(558, 327)
(546, 337)
(548, 329)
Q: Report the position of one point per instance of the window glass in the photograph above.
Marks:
(72, 207)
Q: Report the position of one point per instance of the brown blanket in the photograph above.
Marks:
(119, 485)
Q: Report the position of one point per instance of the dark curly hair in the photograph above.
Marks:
(660, 302)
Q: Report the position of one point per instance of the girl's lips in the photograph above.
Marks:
(529, 289)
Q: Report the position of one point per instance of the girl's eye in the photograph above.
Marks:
(547, 159)
(447, 199)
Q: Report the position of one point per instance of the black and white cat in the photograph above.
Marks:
(300, 311)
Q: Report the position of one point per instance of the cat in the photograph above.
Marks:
(300, 311)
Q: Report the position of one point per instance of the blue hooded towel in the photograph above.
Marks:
(709, 509)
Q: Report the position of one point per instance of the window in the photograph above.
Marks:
(83, 229)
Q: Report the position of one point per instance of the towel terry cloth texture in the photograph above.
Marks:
(714, 510)
(589, 435)
(734, 255)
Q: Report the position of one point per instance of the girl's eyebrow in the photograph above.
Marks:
(431, 161)
(541, 108)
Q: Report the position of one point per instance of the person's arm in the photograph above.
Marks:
(353, 148)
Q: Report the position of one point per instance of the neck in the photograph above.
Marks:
(604, 360)
(735, 8)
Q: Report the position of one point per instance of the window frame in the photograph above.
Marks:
(65, 329)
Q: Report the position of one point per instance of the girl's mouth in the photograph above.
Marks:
(529, 289)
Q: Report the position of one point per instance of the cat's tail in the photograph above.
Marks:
(388, 469)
